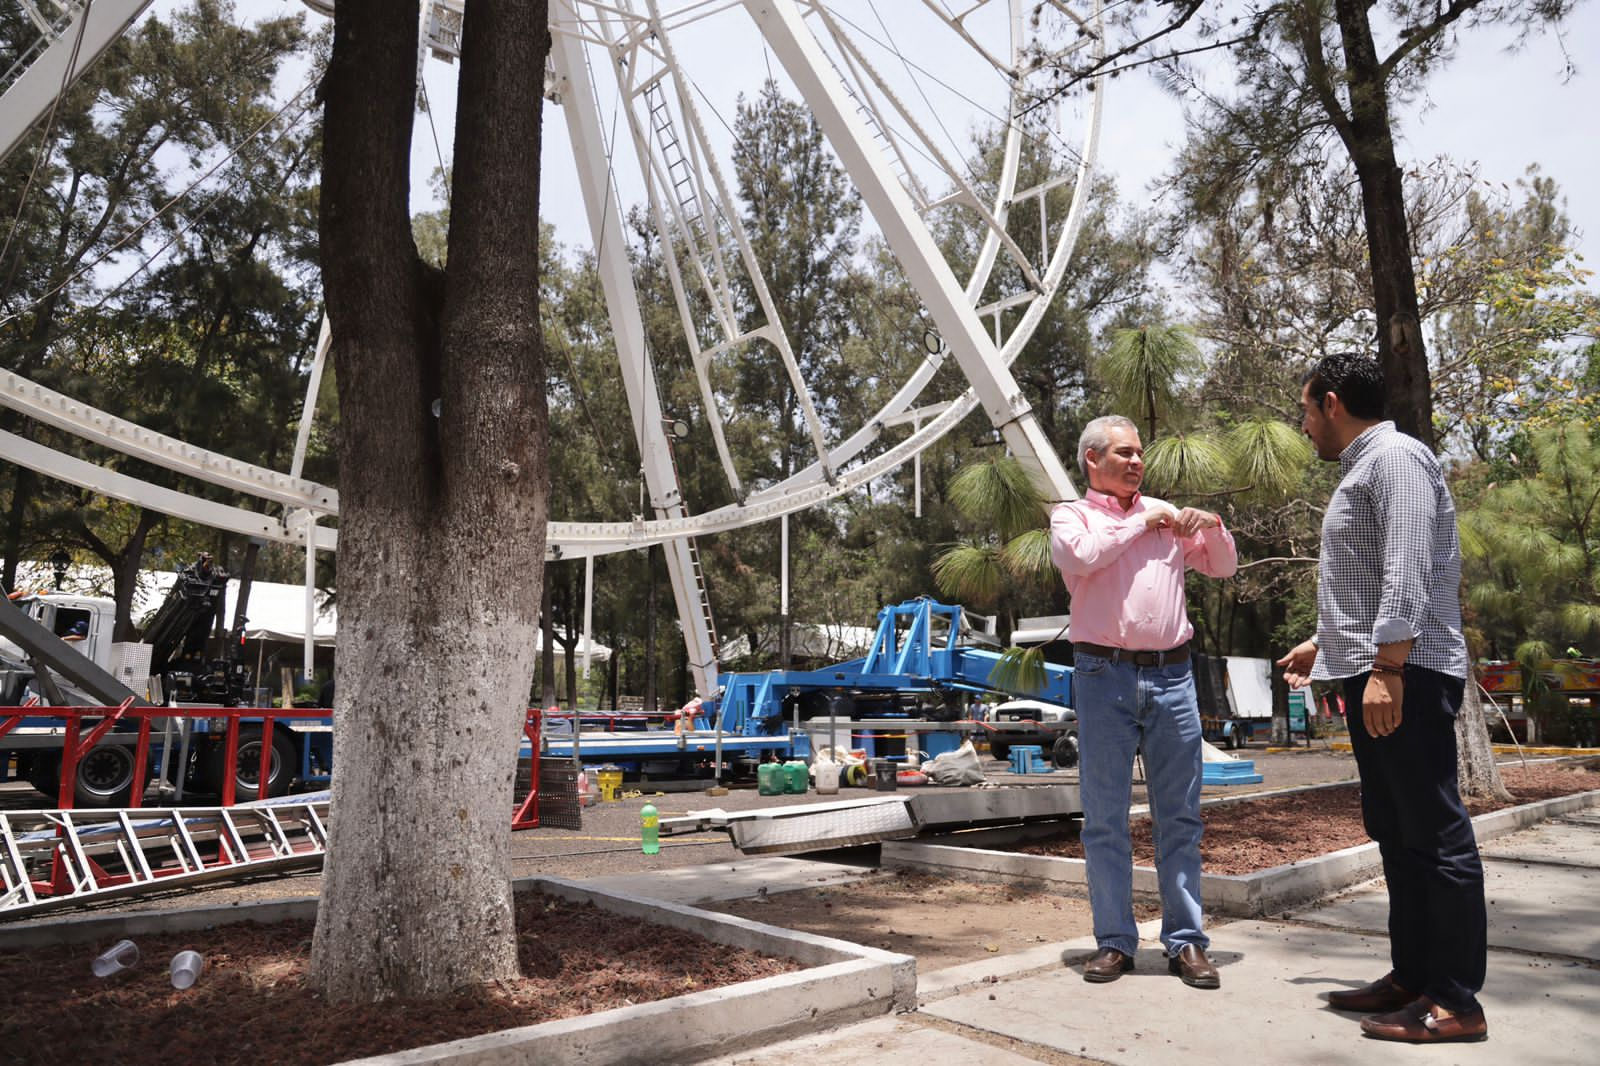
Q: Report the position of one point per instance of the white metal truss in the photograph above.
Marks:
(71, 37)
(575, 91)
(896, 166)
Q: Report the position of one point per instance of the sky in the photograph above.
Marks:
(1499, 108)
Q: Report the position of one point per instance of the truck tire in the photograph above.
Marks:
(279, 773)
(104, 779)
(1234, 740)
(1064, 752)
(999, 749)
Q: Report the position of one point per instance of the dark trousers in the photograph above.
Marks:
(1438, 925)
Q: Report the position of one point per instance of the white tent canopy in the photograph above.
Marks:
(275, 611)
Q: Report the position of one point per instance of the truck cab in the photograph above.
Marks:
(86, 623)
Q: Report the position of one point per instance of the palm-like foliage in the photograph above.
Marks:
(971, 572)
(1185, 464)
(1267, 456)
(998, 494)
(1020, 670)
(1144, 369)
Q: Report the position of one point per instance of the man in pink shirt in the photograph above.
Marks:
(1123, 556)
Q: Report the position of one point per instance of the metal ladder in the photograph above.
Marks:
(679, 172)
(59, 858)
(700, 591)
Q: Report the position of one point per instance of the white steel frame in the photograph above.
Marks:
(873, 134)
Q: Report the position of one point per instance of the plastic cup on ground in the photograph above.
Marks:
(119, 956)
(186, 967)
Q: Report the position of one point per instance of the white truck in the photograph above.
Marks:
(69, 636)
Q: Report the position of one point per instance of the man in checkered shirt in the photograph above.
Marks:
(1389, 628)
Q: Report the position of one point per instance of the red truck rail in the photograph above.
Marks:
(85, 727)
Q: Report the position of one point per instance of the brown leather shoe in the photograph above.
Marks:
(1381, 995)
(1423, 1022)
(1191, 964)
(1108, 965)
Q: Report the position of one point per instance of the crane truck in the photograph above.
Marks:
(57, 649)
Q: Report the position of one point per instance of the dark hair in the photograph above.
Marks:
(1354, 377)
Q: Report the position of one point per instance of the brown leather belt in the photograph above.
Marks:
(1180, 654)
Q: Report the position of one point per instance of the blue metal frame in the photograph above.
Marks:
(914, 650)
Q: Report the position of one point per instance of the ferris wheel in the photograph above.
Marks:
(630, 79)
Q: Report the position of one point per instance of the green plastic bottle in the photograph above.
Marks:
(796, 777)
(649, 829)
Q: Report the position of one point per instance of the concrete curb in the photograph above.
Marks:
(843, 983)
(1234, 895)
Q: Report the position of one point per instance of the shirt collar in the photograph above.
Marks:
(1110, 503)
(1362, 444)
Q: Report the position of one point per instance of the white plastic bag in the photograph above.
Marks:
(959, 767)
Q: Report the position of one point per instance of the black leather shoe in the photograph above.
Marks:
(1108, 965)
(1379, 997)
(1191, 964)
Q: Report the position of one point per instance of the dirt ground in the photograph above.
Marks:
(942, 921)
(577, 961)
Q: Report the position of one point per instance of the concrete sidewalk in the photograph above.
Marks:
(1542, 997)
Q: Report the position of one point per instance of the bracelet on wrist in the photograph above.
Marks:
(1386, 668)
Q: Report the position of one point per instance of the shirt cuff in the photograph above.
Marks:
(1393, 631)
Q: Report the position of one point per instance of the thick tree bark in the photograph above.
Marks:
(1477, 774)
(444, 482)
(1369, 138)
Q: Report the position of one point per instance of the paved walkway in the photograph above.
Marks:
(1542, 999)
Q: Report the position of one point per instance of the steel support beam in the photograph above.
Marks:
(576, 93)
(781, 24)
(90, 32)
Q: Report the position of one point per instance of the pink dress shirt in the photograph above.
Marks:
(1126, 581)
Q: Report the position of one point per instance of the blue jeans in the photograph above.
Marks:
(1123, 708)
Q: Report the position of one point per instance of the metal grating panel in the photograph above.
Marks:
(816, 830)
(558, 794)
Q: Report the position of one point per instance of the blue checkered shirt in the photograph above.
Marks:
(1391, 562)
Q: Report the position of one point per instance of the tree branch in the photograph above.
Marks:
(1415, 37)
(1277, 559)
(1317, 78)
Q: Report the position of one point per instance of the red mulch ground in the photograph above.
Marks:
(250, 1004)
(1253, 835)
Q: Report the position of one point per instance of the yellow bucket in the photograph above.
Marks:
(610, 783)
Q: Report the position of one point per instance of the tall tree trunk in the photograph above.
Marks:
(1477, 774)
(23, 482)
(614, 667)
(547, 647)
(125, 575)
(443, 458)
(1369, 138)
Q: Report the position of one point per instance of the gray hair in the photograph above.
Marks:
(1096, 437)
